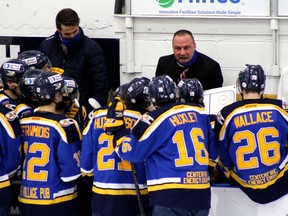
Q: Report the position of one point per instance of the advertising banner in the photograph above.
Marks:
(282, 7)
(232, 8)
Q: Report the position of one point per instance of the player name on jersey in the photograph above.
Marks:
(99, 122)
(183, 118)
(250, 119)
(36, 131)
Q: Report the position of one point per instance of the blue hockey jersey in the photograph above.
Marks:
(253, 147)
(178, 145)
(113, 183)
(20, 108)
(10, 157)
(51, 144)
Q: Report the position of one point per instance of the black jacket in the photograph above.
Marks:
(205, 69)
(84, 63)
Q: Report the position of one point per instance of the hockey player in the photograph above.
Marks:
(114, 191)
(10, 160)
(11, 72)
(177, 143)
(26, 84)
(35, 60)
(191, 90)
(52, 147)
(252, 137)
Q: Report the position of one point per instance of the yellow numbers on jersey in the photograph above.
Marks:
(29, 172)
(201, 154)
(269, 152)
(109, 164)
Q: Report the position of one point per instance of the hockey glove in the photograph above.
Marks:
(115, 120)
(57, 70)
(74, 109)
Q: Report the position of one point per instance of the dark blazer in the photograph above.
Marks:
(205, 69)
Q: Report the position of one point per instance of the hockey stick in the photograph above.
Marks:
(94, 103)
(111, 99)
(142, 211)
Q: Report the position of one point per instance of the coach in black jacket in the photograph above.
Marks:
(81, 57)
(186, 62)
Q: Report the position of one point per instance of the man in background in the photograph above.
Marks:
(187, 62)
(81, 57)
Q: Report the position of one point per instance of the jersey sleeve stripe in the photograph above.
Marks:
(118, 185)
(70, 178)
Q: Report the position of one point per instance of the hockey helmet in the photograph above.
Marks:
(46, 85)
(26, 83)
(191, 90)
(35, 59)
(251, 78)
(119, 92)
(136, 93)
(11, 71)
(162, 90)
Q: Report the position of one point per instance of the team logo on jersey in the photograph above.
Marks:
(10, 116)
(126, 147)
(10, 106)
(220, 118)
(147, 119)
(65, 122)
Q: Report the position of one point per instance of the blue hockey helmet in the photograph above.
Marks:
(251, 78)
(11, 71)
(162, 90)
(26, 83)
(35, 59)
(119, 92)
(46, 85)
(191, 90)
(136, 93)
